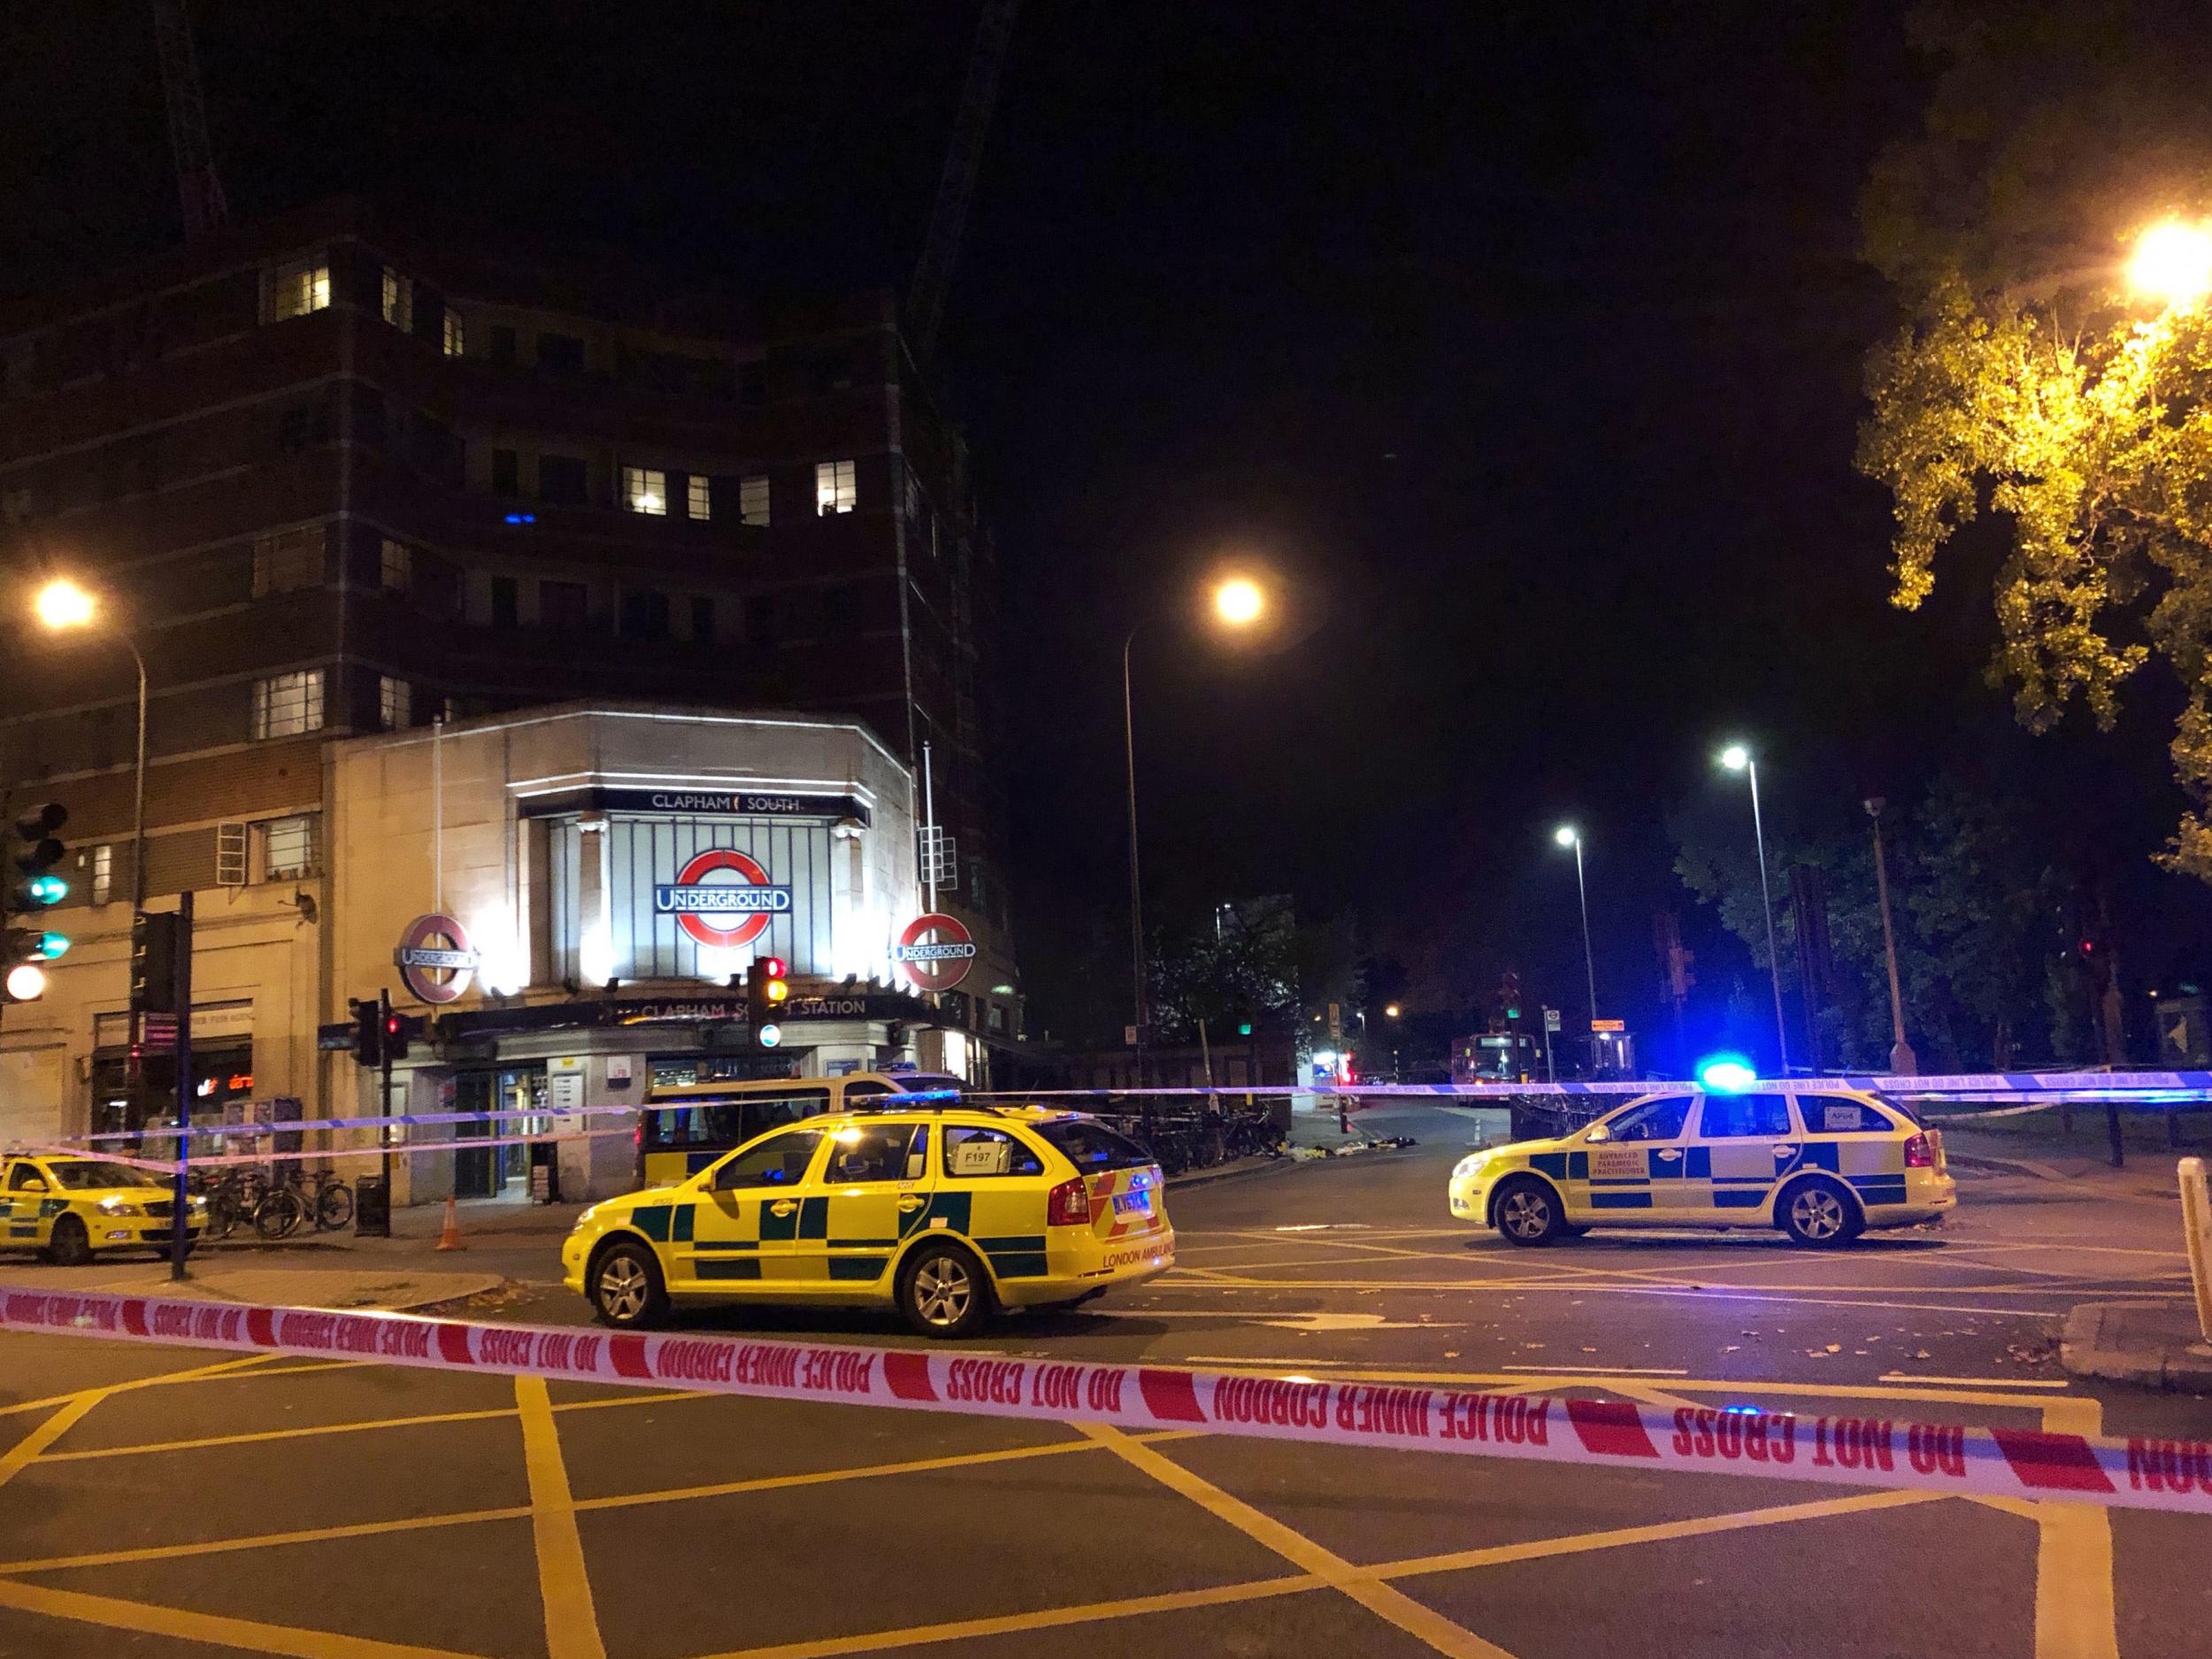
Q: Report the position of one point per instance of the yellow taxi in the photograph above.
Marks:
(1821, 1167)
(69, 1207)
(949, 1214)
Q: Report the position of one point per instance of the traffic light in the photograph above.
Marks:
(368, 1032)
(30, 887)
(766, 988)
(154, 962)
(400, 1033)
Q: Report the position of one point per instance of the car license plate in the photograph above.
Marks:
(1132, 1203)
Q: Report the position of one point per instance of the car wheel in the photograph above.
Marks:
(626, 1287)
(1820, 1212)
(944, 1292)
(1526, 1211)
(72, 1245)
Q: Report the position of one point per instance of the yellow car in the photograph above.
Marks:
(947, 1214)
(71, 1206)
(1821, 1167)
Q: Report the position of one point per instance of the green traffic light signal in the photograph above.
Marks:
(51, 945)
(1513, 1013)
(48, 889)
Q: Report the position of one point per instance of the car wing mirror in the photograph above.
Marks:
(1598, 1132)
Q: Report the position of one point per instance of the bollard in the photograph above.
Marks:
(2196, 1228)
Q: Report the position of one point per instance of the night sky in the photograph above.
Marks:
(1524, 339)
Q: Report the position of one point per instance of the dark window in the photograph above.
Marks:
(1825, 1115)
(1744, 1118)
(561, 354)
(702, 619)
(298, 428)
(561, 479)
(841, 607)
(506, 473)
(503, 344)
(1092, 1146)
(760, 619)
(644, 614)
(982, 1153)
(564, 606)
(875, 1152)
(780, 1161)
(752, 383)
(503, 602)
(1654, 1120)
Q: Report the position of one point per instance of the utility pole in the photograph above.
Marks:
(1902, 1061)
(181, 1193)
(384, 1094)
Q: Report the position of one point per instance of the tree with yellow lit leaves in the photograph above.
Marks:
(2034, 384)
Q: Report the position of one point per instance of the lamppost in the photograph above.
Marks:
(1567, 835)
(2172, 262)
(1238, 602)
(60, 605)
(1902, 1061)
(1736, 757)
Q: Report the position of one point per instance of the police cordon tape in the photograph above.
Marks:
(1861, 1450)
(398, 1148)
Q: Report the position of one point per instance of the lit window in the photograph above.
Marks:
(399, 301)
(396, 572)
(288, 847)
(645, 489)
(297, 288)
(752, 500)
(103, 872)
(287, 560)
(698, 498)
(834, 489)
(394, 703)
(913, 496)
(454, 337)
(286, 705)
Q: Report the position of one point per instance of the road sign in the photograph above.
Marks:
(1608, 1025)
(1551, 1020)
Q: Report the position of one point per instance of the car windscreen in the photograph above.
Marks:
(93, 1175)
(1092, 1146)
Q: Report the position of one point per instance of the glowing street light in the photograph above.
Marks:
(1568, 835)
(1390, 1010)
(1736, 757)
(1239, 602)
(61, 604)
(2172, 262)
(26, 982)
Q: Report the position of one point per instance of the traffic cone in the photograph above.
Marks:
(449, 1235)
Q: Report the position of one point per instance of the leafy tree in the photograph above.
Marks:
(2027, 384)
(1975, 904)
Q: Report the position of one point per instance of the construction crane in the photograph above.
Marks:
(940, 248)
(199, 192)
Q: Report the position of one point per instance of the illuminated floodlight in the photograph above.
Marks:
(1726, 1073)
(2172, 262)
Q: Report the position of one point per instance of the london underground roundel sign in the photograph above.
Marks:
(722, 898)
(435, 959)
(934, 952)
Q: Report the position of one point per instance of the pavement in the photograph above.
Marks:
(2159, 1347)
(343, 1510)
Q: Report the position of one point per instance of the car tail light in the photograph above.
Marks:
(1069, 1205)
(1919, 1154)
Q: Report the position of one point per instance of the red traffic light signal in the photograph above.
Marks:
(774, 967)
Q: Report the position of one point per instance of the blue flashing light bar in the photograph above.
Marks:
(1726, 1073)
(522, 517)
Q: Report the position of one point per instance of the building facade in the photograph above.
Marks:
(595, 881)
(335, 477)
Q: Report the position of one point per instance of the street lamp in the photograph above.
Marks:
(1736, 757)
(61, 605)
(2172, 262)
(1567, 835)
(1238, 602)
(1902, 1061)
(1390, 1010)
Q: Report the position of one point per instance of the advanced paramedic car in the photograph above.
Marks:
(946, 1212)
(1821, 1167)
(68, 1208)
